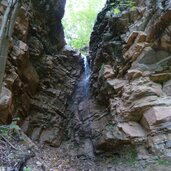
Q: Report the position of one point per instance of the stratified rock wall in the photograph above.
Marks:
(41, 72)
(21, 78)
(131, 61)
(46, 29)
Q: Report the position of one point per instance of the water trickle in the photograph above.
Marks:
(86, 76)
(80, 104)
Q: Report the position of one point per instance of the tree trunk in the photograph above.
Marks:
(6, 30)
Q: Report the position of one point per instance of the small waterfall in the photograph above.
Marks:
(80, 124)
(80, 105)
(86, 76)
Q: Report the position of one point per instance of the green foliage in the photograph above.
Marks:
(128, 155)
(26, 169)
(127, 4)
(117, 11)
(131, 156)
(79, 20)
(5, 130)
(163, 162)
(14, 126)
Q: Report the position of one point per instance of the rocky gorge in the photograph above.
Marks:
(90, 112)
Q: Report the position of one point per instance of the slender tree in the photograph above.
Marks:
(6, 30)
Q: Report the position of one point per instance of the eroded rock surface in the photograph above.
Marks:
(41, 72)
(131, 74)
(127, 103)
(48, 118)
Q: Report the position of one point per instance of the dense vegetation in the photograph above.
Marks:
(79, 20)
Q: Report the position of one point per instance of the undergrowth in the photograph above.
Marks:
(120, 5)
(127, 155)
(6, 130)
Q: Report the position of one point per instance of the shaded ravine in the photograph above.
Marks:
(79, 126)
(77, 151)
(93, 128)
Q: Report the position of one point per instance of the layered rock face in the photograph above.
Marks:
(41, 72)
(21, 79)
(48, 118)
(58, 67)
(131, 77)
(131, 61)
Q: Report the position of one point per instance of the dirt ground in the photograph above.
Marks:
(19, 153)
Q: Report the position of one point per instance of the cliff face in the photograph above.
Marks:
(41, 72)
(46, 26)
(130, 80)
(131, 61)
(21, 79)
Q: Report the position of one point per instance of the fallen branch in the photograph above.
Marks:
(8, 142)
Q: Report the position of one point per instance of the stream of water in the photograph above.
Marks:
(86, 76)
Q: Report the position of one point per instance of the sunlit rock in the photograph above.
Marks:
(156, 116)
(6, 106)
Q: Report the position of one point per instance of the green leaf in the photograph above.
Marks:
(117, 11)
(4, 131)
(14, 126)
(112, 4)
(133, 8)
(27, 169)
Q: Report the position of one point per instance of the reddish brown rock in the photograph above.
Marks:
(132, 130)
(116, 84)
(141, 37)
(160, 78)
(22, 24)
(107, 72)
(130, 40)
(132, 74)
(31, 77)
(155, 116)
(6, 106)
